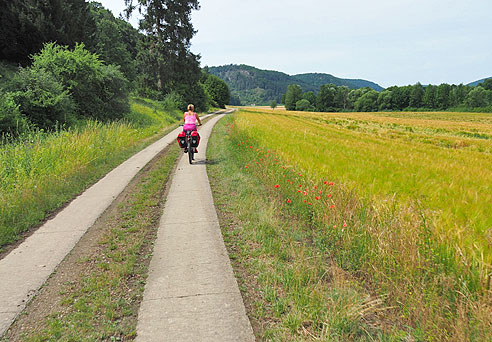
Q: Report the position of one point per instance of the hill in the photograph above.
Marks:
(252, 85)
(473, 84)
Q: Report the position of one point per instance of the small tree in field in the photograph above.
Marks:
(273, 104)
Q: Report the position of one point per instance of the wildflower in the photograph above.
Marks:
(315, 188)
(326, 182)
(345, 224)
(317, 198)
(298, 190)
(289, 201)
(332, 206)
(343, 229)
(276, 186)
(291, 182)
(246, 166)
(305, 201)
(334, 226)
(300, 175)
(329, 195)
(330, 184)
(310, 203)
(299, 185)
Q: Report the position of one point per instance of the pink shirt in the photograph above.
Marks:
(189, 119)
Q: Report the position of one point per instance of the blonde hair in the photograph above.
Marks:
(191, 107)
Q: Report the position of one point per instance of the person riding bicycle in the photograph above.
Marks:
(190, 119)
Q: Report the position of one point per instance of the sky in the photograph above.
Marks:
(389, 42)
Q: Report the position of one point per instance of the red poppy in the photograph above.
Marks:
(299, 185)
(288, 201)
(329, 195)
(305, 201)
(345, 224)
(332, 206)
(276, 186)
(330, 184)
(317, 198)
(334, 226)
(246, 166)
(326, 182)
(310, 203)
(298, 190)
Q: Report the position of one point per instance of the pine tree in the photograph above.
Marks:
(166, 56)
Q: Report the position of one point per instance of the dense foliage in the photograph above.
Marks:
(79, 62)
(332, 98)
(250, 85)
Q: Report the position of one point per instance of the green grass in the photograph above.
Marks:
(297, 292)
(102, 304)
(334, 265)
(42, 171)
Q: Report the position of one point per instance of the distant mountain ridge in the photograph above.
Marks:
(252, 85)
(473, 84)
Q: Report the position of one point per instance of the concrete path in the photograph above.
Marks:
(191, 293)
(24, 270)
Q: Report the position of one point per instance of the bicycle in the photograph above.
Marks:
(189, 143)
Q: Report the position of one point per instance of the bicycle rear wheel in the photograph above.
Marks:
(191, 151)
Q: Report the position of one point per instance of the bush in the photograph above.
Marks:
(42, 99)
(304, 105)
(100, 91)
(12, 122)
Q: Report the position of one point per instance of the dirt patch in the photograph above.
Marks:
(83, 260)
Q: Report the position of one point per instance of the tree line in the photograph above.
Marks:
(333, 98)
(74, 60)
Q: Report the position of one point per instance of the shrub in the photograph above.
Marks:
(42, 98)
(100, 91)
(304, 105)
(12, 122)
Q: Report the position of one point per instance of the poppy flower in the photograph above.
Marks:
(289, 201)
(330, 184)
(305, 201)
(276, 186)
(345, 224)
(334, 226)
(343, 229)
(299, 185)
(315, 188)
(310, 203)
(332, 206)
(329, 195)
(317, 198)
(326, 182)
(246, 166)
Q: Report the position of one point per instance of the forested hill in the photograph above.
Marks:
(473, 84)
(252, 85)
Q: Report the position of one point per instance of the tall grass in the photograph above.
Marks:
(404, 215)
(40, 171)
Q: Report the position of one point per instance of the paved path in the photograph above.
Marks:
(191, 293)
(24, 270)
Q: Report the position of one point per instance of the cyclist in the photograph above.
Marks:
(190, 119)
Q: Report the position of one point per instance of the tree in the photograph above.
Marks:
(442, 96)
(218, 90)
(310, 96)
(487, 84)
(341, 97)
(416, 95)
(304, 105)
(165, 55)
(115, 40)
(325, 101)
(293, 94)
(477, 97)
(429, 99)
(28, 24)
(385, 100)
(273, 104)
(367, 102)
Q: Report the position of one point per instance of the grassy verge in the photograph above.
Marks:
(42, 171)
(318, 262)
(97, 295)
